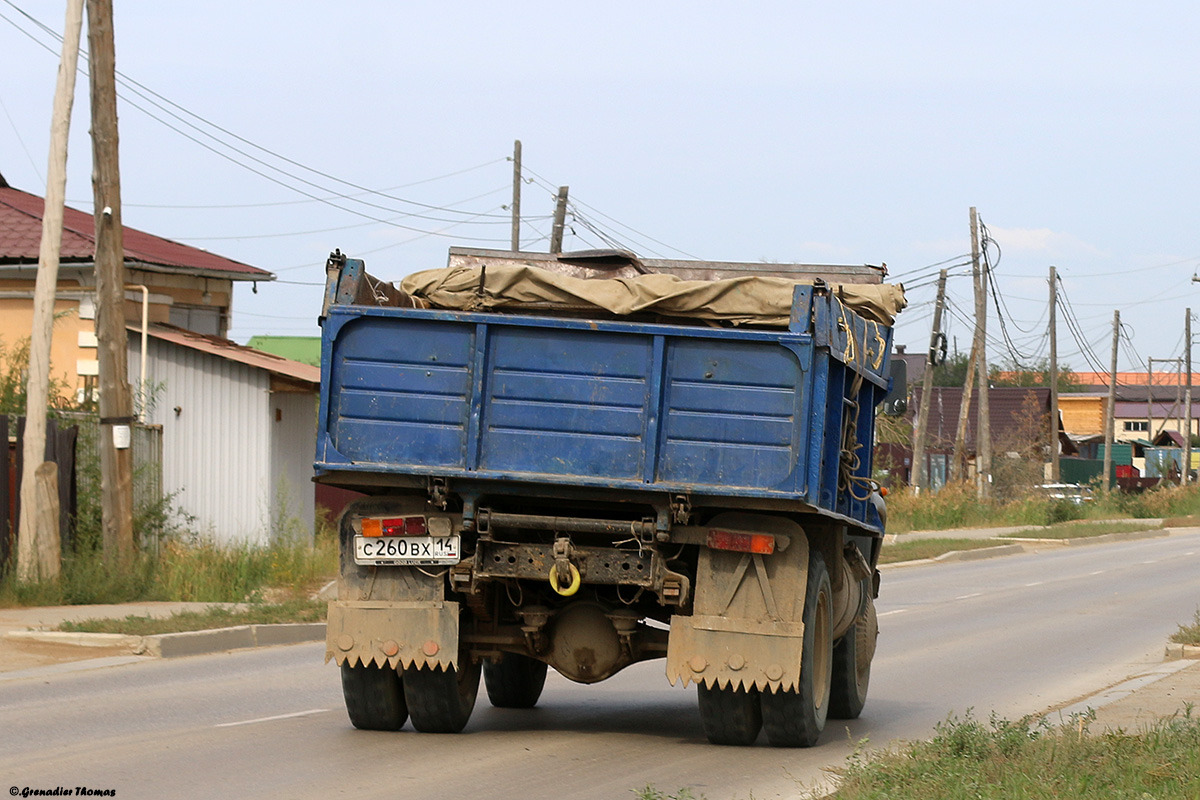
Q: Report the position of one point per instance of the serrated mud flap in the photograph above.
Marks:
(708, 650)
(747, 629)
(399, 634)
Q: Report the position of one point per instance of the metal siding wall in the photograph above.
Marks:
(216, 451)
(293, 440)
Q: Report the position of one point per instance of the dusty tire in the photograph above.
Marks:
(795, 718)
(515, 681)
(852, 666)
(730, 716)
(441, 701)
(374, 697)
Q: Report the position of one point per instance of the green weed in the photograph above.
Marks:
(1188, 634)
(967, 758)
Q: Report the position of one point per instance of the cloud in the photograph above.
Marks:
(1042, 241)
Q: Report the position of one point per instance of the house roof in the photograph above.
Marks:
(21, 236)
(224, 348)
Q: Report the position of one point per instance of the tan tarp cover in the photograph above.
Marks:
(741, 301)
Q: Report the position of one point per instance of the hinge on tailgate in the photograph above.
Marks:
(437, 492)
(681, 509)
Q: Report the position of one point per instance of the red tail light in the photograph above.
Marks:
(761, 543)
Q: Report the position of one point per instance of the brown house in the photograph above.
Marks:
(183, 286)
(1016, 415)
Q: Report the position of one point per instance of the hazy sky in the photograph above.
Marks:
(854, 132)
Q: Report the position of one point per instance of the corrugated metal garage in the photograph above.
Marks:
(239, 430)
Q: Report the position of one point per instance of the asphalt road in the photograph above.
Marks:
(1016, 635)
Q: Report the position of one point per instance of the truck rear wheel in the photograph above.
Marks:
(852, 666)
(441, 701)
(515, 681)
(730, 716)
(374, 697)
(796, 717)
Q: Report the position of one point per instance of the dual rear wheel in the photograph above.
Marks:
(833, 680)
(437, 701)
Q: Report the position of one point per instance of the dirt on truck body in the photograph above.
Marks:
(582, 461)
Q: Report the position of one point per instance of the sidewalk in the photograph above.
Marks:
(991, 533)
(28, 640)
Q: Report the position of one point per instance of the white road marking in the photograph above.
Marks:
(1097, 572)
(1151, 561)
(1035, 583)
(968, 596)
(272, 719)
(894, 611)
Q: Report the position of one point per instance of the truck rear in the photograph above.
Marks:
(590, 460)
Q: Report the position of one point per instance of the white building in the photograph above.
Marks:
(239, 433)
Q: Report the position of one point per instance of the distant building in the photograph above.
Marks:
(305, 349)
(187, 287)
(238, 425)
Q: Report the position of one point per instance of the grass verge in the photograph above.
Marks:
(1188, 634)
(296, 610)
(929, 548)
(999, 760)
(956, 505)
(183, 570)
(1081, 530)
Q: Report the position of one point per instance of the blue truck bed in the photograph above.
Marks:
(785, 415)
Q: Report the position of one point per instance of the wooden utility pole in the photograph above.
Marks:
(983, 427)
(964, 414)
(920, 473)
(516, 197)
(116, 402)
(560, 220)
(1111, 405)
(39, 540)
(1055, 467)
(1150, 400)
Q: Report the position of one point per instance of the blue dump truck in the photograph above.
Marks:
(588, 460)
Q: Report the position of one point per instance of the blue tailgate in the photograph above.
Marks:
(588, 403)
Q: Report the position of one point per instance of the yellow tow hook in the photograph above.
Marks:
(576, 580)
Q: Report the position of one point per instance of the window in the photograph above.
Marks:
(1136, 425)
(201, 319)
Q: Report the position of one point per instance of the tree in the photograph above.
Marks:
(1013, 374)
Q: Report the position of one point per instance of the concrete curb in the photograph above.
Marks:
(188, 643)
(1104, 538)
(1176, 652)
(979, 554)
(130, 644)
(1017, 546)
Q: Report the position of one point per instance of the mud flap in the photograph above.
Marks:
(709, 650)
(399, 634)
(747, 629)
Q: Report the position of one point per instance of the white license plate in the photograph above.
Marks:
(406, 550)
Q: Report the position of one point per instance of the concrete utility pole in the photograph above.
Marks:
(560, 220)
(983, 428)
(964, 414)
(116, 402)
(516, 199)
(1110, 406)
(1187, 398)
(39, 542)
(1055, 471)
(920, 473)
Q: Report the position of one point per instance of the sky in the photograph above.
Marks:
(843, 133)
